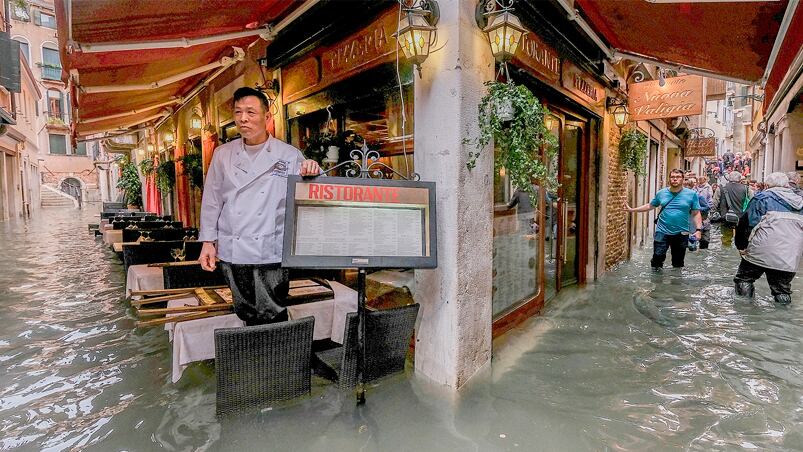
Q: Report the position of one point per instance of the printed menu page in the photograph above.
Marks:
(359, 231)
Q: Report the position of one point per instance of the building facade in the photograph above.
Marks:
(19, 122)
(63, 166)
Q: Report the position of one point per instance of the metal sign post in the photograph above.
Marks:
(360, 221)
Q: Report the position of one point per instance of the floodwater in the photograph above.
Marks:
(667, 361)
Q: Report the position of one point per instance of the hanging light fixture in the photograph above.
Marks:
(168, 137)
(416, 31)
(195, 123)
(620, 114)
(504, 32)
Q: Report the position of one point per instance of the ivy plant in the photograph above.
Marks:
(193, 169)
(146, 167)
(166, 176)
(519, 138)
(129, 182)
(633, 151)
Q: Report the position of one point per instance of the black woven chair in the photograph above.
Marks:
(387, 339)
(149, 252)
(256, 365)
(131, 235)
(183, 276)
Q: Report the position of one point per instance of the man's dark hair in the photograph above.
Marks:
(246, 91)
(677, 171)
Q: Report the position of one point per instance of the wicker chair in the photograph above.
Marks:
(183, 276)
(149, 252)
(387, 340)
(257, 365)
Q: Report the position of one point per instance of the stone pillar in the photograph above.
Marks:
(768, 152)
(453, 340)
(776, 151)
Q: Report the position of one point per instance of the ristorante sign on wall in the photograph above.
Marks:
(680, 96)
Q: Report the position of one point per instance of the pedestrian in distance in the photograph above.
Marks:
(242, 209)
(704, 196)
(730, 204)
(769, 237)
(679, 205)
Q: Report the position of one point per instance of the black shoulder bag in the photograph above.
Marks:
(658, 217)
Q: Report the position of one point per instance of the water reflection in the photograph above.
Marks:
(639, 360)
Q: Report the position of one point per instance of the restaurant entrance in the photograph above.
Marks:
(565, 209)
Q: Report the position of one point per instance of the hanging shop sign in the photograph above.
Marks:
(701, 147)
(368, 48)
(339, 222)
(535, 55)
(583, 86)
(680, 96)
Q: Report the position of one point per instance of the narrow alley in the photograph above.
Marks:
(638, 360)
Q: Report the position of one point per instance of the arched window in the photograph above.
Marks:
(25, 47)
(56, 105)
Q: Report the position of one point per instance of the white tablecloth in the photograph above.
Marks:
(194, 340)
(111, 236)
(142, 277)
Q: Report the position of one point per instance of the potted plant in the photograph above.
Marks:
(633, 151)
(513, 118)
(319, 146)
(130, 184)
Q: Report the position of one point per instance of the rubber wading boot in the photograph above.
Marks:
(783, 298)
(745, 289)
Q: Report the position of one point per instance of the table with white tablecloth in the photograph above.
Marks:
(111, 236)
(194, 340)
(144, 277)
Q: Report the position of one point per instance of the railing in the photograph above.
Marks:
(72, 190)
(51, 73)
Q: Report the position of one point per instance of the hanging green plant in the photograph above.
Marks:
(166, 176)
(130, 183)
(513, 118)
(146, 167)
(193, 169)
(633, 151)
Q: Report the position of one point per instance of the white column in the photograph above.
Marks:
(769, 149)
(454, 335)
(776, 151)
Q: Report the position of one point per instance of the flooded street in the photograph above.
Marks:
(667, 361)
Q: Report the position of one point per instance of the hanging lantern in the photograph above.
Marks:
(504, 34)
(168, 137)
(416, 31)
(196, 123)
(620, 116)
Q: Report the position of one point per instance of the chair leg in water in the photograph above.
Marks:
(745, 289)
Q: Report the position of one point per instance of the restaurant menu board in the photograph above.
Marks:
(335, 222)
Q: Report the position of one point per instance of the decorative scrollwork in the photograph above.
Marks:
(365, 164)
(701, 132)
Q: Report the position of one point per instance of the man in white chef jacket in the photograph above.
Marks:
(242, 211)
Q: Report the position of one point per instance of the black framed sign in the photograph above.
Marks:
(339, 222)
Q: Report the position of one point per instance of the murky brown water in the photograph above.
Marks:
(639, 360)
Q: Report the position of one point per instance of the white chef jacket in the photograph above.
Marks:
(244, 201)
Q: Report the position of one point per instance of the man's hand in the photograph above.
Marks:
(697, 235)
(627, 207)
(208, 256)
(310, 168)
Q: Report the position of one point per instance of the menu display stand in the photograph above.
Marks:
(360, 223)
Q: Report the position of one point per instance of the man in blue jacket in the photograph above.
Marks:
(678, 206)
(770, 238)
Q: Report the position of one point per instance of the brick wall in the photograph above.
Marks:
(616, 236)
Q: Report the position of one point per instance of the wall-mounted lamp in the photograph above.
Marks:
(417, 31)
(150, 148)
(618, 109)
(504, 32)
(755, 97)
(196, 123)
(168, 137)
